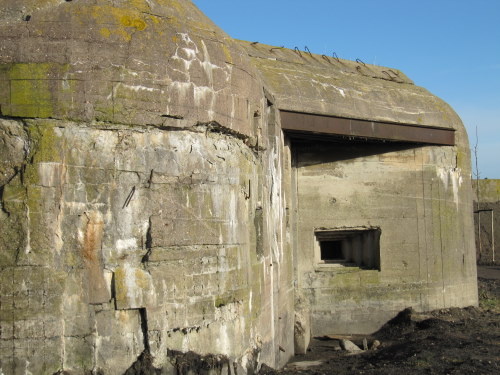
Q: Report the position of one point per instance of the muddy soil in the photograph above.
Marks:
(449, 341)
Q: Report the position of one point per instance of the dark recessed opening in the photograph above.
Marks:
(350, 247)
(331, 250)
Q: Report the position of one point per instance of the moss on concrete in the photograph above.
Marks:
(31, 91)
(47, 144)
(120, 286)
(30, 98)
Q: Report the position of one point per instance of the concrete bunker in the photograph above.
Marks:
(363, 194)
(366, 154)
(169, 200)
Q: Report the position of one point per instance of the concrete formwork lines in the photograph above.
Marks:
(427, 216)
(419, 209)
(440, 219)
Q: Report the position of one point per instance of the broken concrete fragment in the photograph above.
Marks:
(14, 148)
(91, 243)
(375, 345)
(303, 365)
(302, 332)
(349, 346)
(133, 288)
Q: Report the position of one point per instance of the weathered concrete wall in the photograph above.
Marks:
(420, 206)
(487, 220)
(118, 240)
(137, 211)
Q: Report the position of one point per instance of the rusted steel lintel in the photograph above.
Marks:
(309, 123)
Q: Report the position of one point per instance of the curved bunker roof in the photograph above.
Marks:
(136, 62)
(302, 82)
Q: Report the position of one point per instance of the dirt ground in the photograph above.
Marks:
(449, 341)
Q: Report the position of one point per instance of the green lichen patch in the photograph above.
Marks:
(31, 88)
(47, 143)
(31, 98)
(22, 71)
(12, 235)
(136, 23)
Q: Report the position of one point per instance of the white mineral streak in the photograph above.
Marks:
(222, 266)
(190, 53)
(242, 322)
(271, 294)
(233, 218)
(27, 249)
(244, 361)
(185, 344)
(49, 173)
(223, 342)
(182, 88)
(207, 65)
(233, 107)
(229, 72)
(139, 62)
(26, 371)
(131, 285)
(185, 38)
(453, 177)
(137, 88)
(201, 93)
(108, 277)
(126, 244)
(221, 238)
(274, 167)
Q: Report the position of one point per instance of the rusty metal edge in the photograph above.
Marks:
(329, 125)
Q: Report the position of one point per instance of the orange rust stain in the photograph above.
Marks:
(92, 239)
(91, 253)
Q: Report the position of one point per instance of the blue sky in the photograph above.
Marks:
(450, 47)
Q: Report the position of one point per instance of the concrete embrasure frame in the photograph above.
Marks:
(360, 247)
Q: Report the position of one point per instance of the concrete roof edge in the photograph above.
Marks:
(311, 83)
(296, 56)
